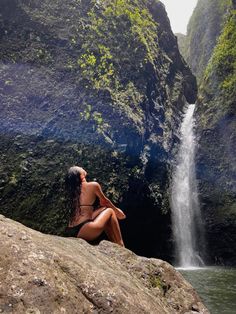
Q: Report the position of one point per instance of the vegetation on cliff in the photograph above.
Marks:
(32, 178)
(204, 28)
(103, 54)
(216, 125)
(95, 83)
(220, 76)
(210, 50)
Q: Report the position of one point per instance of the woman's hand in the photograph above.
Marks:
(119, 213)
(104, 201)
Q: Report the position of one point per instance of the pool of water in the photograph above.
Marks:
(216, 286)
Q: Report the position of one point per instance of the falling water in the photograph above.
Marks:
(186, 216)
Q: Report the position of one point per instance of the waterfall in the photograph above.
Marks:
(186, 217)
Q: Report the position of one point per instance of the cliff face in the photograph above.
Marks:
(50, 274)
(204, 28)
(216, 125)
(95, 83)
(209, 48)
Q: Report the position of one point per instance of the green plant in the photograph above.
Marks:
(222, 66)
(156, 282)
(113, 25)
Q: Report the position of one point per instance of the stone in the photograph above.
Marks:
(76, 277)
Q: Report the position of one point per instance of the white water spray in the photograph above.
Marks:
(186, 217)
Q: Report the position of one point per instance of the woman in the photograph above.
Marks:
(86, 221)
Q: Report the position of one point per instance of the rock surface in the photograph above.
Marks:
(209, 48)
(204, 28)
(216, 158)
(49, 274)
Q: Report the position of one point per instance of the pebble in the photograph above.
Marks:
(22, 272)
(39, 282)
(195, 308)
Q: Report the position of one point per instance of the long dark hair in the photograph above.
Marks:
(73, 189)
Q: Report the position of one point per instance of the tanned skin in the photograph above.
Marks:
(105, 218)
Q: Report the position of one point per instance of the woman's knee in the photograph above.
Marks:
(102, 219)
(110, 211)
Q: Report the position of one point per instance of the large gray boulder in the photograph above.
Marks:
(42, 273)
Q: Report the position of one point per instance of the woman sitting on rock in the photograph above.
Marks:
(86, 221)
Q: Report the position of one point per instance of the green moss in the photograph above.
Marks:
(221, 71)
(198, 46)
(36, 196)
(218, 87)
(156, 282)
(118, 32)
(30, 203)
(97, 116)
(13, 179)
(86, 114)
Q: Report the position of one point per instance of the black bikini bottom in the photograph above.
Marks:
(73, 231)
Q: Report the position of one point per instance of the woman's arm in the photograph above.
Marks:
(104, 201)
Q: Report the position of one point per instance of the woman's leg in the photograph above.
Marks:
(98, 212)
(109, 232)
(108, 228)
(105, 221)
(112, 230)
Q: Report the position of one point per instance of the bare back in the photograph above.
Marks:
(86, 201)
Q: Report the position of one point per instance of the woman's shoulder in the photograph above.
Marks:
(93, 184)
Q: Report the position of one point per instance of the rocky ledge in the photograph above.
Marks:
(42, 273)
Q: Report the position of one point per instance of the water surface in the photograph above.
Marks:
(216, 286)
